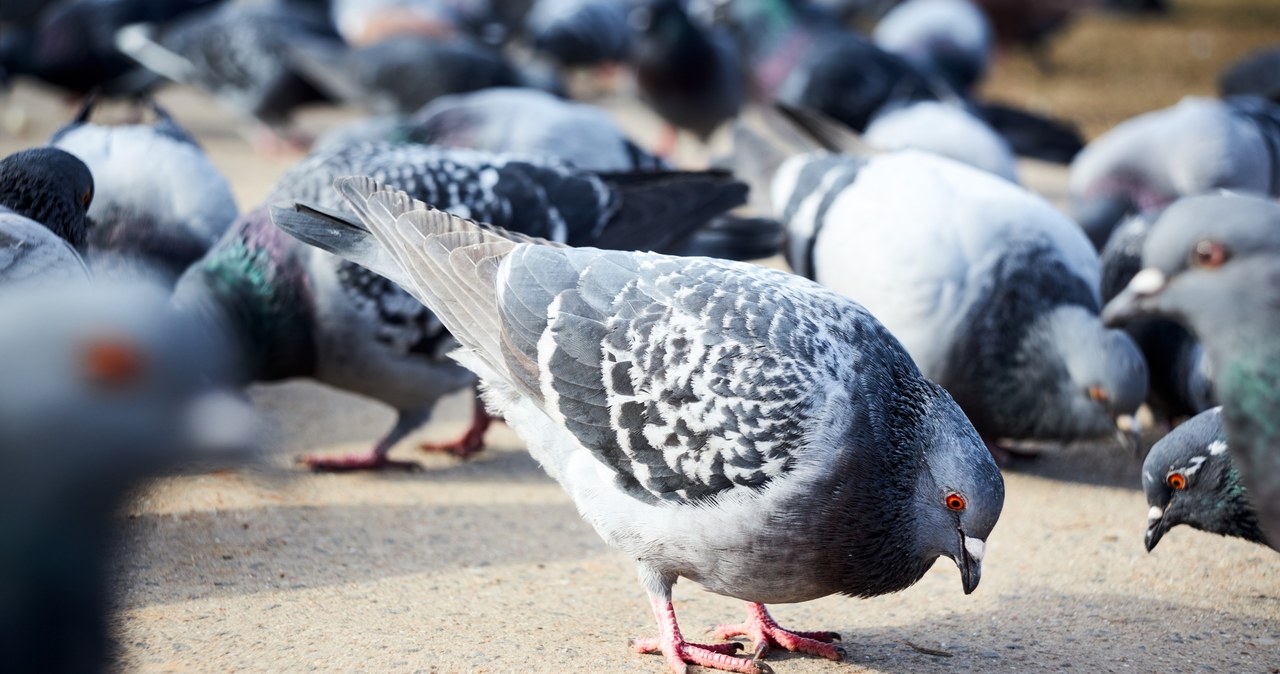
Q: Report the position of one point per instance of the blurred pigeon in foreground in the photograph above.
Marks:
(103, 388)
(51, 187)
(160, 203)
(1189, 479)
(1194, 147)
(718, 421)
(297, 311)
(579, 33)
(1213, 264)
(365, 22)
(944, 129)
(948, 39)
(992, 291)
(31, 254)
(1181, 383)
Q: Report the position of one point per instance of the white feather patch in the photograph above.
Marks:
(1147, 281)
(1217, 447)
(976, 547)
(1155, 513)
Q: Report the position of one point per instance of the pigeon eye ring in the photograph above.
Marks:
(1177, 481)
(954, 501)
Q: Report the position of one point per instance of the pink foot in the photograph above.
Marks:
(371, 460)
(666, 145)
(471, 442)
(765, 632)
(677, 651)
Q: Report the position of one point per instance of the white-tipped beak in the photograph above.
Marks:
(1147, 282)
(1155, 513)
(975, 547)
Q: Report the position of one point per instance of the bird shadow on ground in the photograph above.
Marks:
(1099, 464)
(1056, 632)
(165, 558)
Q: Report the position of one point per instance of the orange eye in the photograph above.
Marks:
(1098, 394)
(1209, 254)
(86, 198)
(112, 363)
(954, 501)
(1177, 480)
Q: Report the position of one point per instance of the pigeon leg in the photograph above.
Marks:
(375, 458)
(765, 632)
(677, 651)
(471, 442)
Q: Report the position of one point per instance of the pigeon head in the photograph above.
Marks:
(960, 492)
(1189, 479)
(1204, 249)
(51, 187)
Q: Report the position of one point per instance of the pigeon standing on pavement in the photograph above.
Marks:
(733, 425)
(298, 311)
(160, 203)
(991, 290)
(103, 388)
(1213, 264)
(1189, 478)
(1194, 147)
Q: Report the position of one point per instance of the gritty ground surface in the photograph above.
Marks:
(486, 567)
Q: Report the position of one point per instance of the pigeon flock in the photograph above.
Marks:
(775, 436)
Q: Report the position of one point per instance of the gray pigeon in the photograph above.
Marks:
(160, 202)
(31, 254)
(1189, 479)
(365, 22)
(947, 39)
(718, 421)
(300, 312)
(1194, 147)
(991, 290)
(1181, 382)
(51, 187)
(945, 129)
(1213, 264)
(103, 388)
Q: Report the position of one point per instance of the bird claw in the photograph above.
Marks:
(712, 656)
(765, 633)
(463, 448)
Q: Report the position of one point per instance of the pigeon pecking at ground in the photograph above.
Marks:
(301, 312)
(103, 388)
(991, 290)
(1213, 264)
(1190, 479)
(733, 425)
(160, 203)
(1194, 147)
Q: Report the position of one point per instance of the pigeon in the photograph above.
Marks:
(238, 53)
(361, 23)
(103, 388)
(160, 202)
(1257, 74)
(51, 187)
(1189, 479)
(399, 75)
(579, 33)
(690, 75)
(1194, 147)
(1181, 383)
(945, 129)
(71, 44)
(1212, 263)
(300, 312)
(948, 39)
(734, 425)
(32, 255)
(806, 59)
(991, 290)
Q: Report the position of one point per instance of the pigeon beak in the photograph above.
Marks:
(1135, 300)
(221, 426)
(970, 561)
(1155, 527)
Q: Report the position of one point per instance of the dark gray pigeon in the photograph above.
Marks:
(51, 187)
(737, 426)
(160, 202)
(1190, 479)
(1181, 382)
(992, 291)
(579, 33)
(1257, 74)
(103, 388)
(300, 312)
(1194, 147)
(1213, 264)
